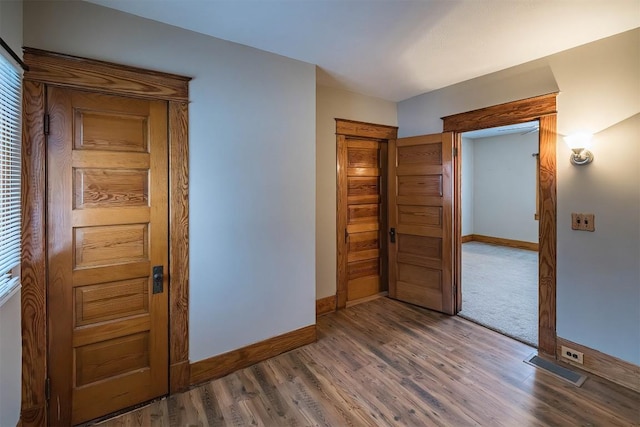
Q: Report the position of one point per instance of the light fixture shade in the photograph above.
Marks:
(579, 143)
(579, 140)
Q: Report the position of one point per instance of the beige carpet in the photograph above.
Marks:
(500, 289)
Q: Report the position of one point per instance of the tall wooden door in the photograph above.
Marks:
(107, 191)
(420, 221)
(365, 219)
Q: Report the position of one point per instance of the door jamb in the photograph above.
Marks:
(542, 108)
(49, 68)
(350, 128)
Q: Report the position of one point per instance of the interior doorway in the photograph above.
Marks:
(499, 230)
(542, 108)
(67, 283)
(361, 169)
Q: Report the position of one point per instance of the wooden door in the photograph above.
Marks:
(107, 191)
(364, 216)
(420, 216)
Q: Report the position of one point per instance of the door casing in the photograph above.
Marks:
(54, 69)
(543, 109)
(362, 130)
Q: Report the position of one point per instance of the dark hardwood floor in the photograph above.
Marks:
(384, 363)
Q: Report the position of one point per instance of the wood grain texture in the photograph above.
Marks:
(179, 377)
(366, 130)
(33, 257)
(547, 236)
(99, 303)
(500, 115)
(615, 370)
(82, 73)
(105, 131)
(458, 238)
(384, 363)
(96, 363)
(421, 209)
(511, 243)
(361, 161)
(542, 108)
(325, 305)
(179, 250)
(110, 78)
(95, 188)
(224, 364)
(467, 238)
(341, 221)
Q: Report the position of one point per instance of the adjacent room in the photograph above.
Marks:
(500, 229)
(272, 212)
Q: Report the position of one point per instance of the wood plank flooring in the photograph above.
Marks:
(385, 363)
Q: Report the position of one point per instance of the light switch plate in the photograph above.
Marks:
(575, 221)
(588, 222)
(583, 222)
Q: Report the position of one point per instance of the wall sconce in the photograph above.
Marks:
(578, 143)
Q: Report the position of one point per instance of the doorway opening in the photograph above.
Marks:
(499, 229)
(361, 210)
(543, 109)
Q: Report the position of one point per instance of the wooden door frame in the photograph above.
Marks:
(54, 69)
(350, 128)
(543, 109)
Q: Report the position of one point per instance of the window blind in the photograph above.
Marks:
(9, 177)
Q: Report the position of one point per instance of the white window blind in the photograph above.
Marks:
(9, 178)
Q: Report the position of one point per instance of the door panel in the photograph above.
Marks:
(107, 227)
(420, 211)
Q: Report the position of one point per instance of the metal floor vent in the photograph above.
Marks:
(556, 370)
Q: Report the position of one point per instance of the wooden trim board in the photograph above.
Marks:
(547, 233)
(47, 68)
(33, 261)
(509, 113)
(179, 246)
(518, 244)
(221, 365)
(365, 130)
(615, 370)
(542, 108)
(367, 299)
(99, 76)
(326, 305)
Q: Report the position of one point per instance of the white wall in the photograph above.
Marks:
(10, 333)
(10, 361)
(334, 104)
(504, 186)
(467, 179)
(598, 274)
(252, 167)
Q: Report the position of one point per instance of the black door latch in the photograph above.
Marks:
(158, 278)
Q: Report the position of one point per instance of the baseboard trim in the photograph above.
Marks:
(179, 377)
(615, 370)
(518, 244)
(367, 299)
(224, 364)
(325, 305)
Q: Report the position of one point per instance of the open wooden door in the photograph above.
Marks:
(420, 221)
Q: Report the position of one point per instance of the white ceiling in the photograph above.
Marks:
(397, 49)
(521, 128)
